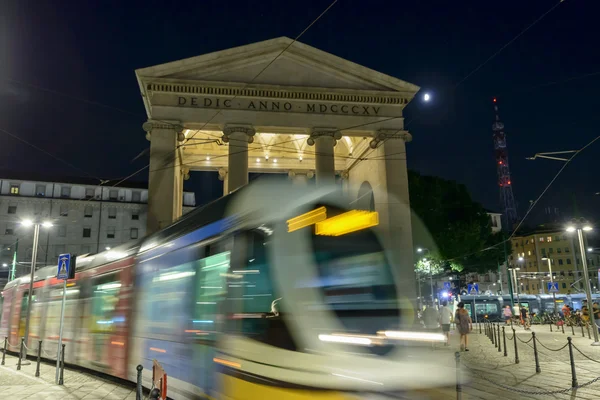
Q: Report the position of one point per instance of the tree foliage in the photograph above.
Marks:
(454, 228)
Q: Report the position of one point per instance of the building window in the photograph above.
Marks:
(87, 232)
(12, 209)
(526, 287)
(37, 209)
(133, 233)
(544, 252)
(578, 261)
(567, 250)
(529, 264)
(65, 191)
(10, 230)
(550, 250)
(568, 261)
(529, 252)
(556, 238)
(89, 193)
(541, 239)
(135, 216)
(112, 213)
(113, 194)
(59, 249)
(88, 212)
(110, 232)
(516, 244)
(64, 210)
(62, 231)
(560, 262)
(85, 249)
(558, 250)
(549, 239)
(527, 241)
(40, 190)
(14, 189)
(136, 197)
(564, 285)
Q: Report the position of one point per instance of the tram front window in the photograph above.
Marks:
(357, 282)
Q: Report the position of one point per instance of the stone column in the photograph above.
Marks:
(165, 184)
(300, 178)
(345, 181)
(224, 177)
(324, 140)
(238, 138)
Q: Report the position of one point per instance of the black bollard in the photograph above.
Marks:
(138, 389)
(562, 327)
(551, 326)
(573, 329)
(20, 353)
(494, 340)
(535, 353)
(516, 350)
(587, 326)
(39, 358)
(154, 394)
(458, 386)
(479, 327)
(4, 351)
(499, 343)
(582, 333)
(504, 339)
(573, 374)
(61, 380)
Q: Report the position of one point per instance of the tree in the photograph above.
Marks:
(454, 228)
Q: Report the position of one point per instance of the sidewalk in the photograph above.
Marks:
(77, 385)
(494, 376)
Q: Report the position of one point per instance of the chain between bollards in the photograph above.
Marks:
(20, 354)
(138, 389)
(499, 343)
(504, 338)
(458, 386)
(39, 358)
(535, 353)
(516, 350)
(61, 380)
(4, 351)
(573, 373)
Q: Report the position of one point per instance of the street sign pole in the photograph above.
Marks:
(60, 334)
(64, 272)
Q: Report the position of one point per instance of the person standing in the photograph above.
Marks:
(507, 314)
(464, 325)
(446, 320)
(596, 311)
(431, 318)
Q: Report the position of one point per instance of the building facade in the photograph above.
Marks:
(530, 250)
(86, 218)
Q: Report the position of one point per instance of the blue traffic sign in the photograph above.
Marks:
(447, 286)
(64, 263)
(553, 287)
(473, 288)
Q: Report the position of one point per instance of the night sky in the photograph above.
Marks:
(89, 50)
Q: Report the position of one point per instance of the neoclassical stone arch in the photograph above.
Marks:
(365, 199)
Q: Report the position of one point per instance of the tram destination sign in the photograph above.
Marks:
(278, 106)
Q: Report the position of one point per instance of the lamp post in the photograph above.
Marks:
(579, 226)
(423, 250)
(551, 280)
(36, 236)
(516, 286)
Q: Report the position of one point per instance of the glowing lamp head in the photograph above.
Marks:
(521, 258)
(47, 224)
(587, 228)
(419, 250)
(494, 100)
(27, 222)
(570, 229)
(426, 97)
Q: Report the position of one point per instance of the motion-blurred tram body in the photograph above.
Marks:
(235, 305)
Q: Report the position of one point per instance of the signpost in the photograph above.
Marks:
(473, 288)
(66, 270)
(553, 287)
(447, 286)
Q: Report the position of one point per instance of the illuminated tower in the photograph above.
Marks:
(507, 200)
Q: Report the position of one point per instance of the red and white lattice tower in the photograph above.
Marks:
(507, 199)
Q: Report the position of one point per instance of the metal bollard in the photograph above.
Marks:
(587, 326)
(504, 338)
(494, 340)
(562, 327)
(138, 389)
(516, 350)
(4, 351)
(582, 333)
(458, 386)
(499, 343)
(479, 328)
(61, 380)
(551, 326)
(573, 374)
(39, 358)
(535, 353)
(573, 329)
(20, 353)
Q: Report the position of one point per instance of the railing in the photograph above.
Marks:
(21, 353)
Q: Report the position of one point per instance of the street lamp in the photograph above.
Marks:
(581, 225)
(428, 263)
(551, 280)
(515, 287)
(36, 237)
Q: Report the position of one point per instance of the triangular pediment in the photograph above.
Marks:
(277, 62)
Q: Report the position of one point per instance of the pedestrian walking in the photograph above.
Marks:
(464, 325)
(446, 320)
(507, 314)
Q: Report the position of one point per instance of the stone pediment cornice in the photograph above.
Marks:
(229, 89)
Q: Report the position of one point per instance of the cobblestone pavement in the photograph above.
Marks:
(494, 376)
(77, 385)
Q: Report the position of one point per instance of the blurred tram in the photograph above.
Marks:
(237, 300)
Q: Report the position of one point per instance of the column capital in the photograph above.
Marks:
(222, 174)
(231, 130)
(175, 126)
(345, 175)
(387, 134)
(323, 132)
(185, 172)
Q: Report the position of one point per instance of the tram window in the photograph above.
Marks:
(486, 308)
(105, 296)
